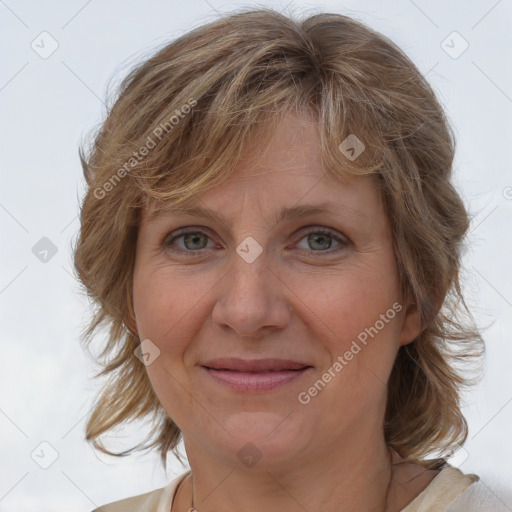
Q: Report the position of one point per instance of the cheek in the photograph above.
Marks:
(168, 307)
(171, 308)
(357, 327)
(356, 317)
(346, 302)
(166, 303)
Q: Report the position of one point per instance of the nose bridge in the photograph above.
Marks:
(250, 297)
(249, 267)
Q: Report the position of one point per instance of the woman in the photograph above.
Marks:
(271, 233)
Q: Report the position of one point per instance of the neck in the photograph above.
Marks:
(342, 480)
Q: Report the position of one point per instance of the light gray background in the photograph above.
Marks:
(49, 105)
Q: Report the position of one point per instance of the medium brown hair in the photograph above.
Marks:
(194, 105)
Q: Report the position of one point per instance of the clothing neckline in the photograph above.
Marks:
(446, 471)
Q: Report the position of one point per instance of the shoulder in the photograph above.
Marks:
(159, 500)
(147, 502)
(450, 484)
(476, 498)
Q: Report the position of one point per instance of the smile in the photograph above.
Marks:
(255, 381)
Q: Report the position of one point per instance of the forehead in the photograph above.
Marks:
(284, 176)
(357, 199)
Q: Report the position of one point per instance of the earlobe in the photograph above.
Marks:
(411, 326)
(130, 321)
(131, 325)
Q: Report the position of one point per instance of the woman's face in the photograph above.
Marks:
(320, 289)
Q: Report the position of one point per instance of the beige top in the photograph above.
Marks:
(449, 486)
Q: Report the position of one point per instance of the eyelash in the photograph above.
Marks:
(170, 239)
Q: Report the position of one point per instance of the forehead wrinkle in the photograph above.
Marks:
(285, 213)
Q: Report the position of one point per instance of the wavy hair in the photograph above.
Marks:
(178, 126)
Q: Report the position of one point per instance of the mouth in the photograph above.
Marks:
(254, 365)
(261, 375)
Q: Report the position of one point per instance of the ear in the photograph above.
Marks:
(411, 326)
(129, 320)
(131, 325)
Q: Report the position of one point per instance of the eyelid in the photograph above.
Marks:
(178, 233)
(341, 239)
(313, 228)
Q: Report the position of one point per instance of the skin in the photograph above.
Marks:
(298, 299)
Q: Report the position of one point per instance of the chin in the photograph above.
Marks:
(262, 439)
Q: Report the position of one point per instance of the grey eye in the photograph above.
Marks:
(319, 241)
(194, 241)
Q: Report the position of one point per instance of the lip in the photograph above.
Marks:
(255, 381)
(254, 365)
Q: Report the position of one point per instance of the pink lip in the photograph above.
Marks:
(253, 365)
(255, 381)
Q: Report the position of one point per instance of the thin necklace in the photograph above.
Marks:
(192, 509)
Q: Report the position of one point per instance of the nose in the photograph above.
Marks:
(252, 298)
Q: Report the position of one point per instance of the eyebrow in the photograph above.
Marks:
(286, 213)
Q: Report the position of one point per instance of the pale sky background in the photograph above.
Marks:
(48, 105)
